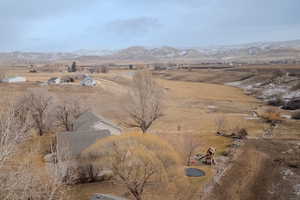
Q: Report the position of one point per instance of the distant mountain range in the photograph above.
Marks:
(260, 51)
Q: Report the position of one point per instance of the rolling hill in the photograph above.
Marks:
(260, 51)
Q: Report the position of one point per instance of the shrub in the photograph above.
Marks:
(276, 101)
(2, 75)
(279, 73)
(225, 153)
(67, 79)
(73, 67)
(104, 69)
(221, 124)
(271, 116)
(239, 133)
(296, 115)
(293, 104)
(296, 87)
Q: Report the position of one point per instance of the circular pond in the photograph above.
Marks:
(194, 172)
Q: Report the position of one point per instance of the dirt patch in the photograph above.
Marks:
(262, 172)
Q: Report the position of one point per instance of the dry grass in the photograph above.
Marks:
(271, 115)
(296, 115)
(187, 105)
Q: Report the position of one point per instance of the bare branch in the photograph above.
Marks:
(67, 112)
(136, 160)
(35, 105)
(11, 133)
(145, 102)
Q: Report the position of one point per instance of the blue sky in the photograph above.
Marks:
(67, 25)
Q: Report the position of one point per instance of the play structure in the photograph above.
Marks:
(208, 158)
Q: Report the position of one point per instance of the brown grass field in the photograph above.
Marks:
(192, 106)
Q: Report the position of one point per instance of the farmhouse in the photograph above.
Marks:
(91, 122)
(88, 128)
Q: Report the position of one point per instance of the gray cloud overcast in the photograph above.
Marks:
(134, 26)
(66, 25)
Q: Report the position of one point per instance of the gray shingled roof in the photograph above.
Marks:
(75, 142)
(88, 128)
(90, 121)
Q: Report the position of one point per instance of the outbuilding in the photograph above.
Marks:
(88, 81)
(17, 79)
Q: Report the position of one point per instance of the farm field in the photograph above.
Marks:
(189, 108)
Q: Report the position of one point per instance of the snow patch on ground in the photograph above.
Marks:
(287, 174)
(297, 189)
(292, 94)
(269, 89)
(286, 116)
(235, 84)
(274, 91)
(211, 107)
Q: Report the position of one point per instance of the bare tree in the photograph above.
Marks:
(186, 144)
(136, 160)
(73, 67)
(24, 182)
(221, 125)
(190, 144)
(19, 179)
(37, 104)
(22, 113)
(145, 101)
(11, 133)
(67, 112)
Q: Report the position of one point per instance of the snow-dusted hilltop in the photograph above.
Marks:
(257, 52)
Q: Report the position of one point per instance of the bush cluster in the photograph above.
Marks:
(296, 115)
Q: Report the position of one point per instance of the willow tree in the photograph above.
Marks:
(144, 101)
(136, 160)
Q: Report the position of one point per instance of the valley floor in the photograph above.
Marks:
(262, 171)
